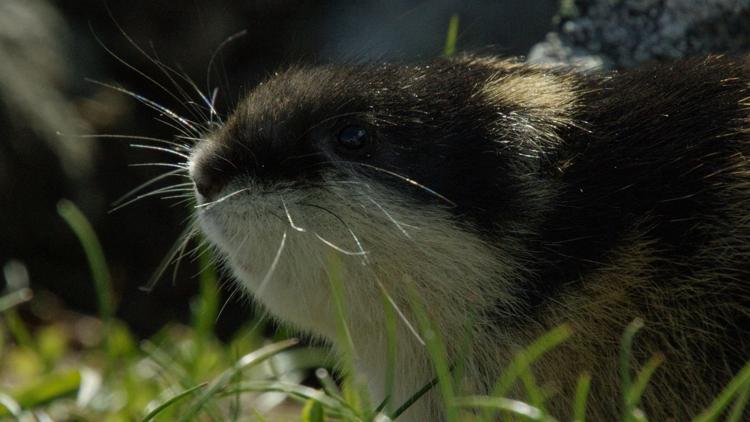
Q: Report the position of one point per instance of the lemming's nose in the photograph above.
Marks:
(208, 182)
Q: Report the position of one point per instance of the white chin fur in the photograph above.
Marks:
(449, 267)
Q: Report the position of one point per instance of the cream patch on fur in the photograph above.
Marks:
(546, 98)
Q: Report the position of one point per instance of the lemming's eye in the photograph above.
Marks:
(352, 137)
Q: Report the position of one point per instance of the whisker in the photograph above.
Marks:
(223, 198)
(212, 106)
(388, 215)
(178, 129)
(398, 310)
(229, 298)
(202, 248)
(134, 138)
(151, 104)
(163, 68)
(273, 266)
(189, 138)
(128, 65)
(196, 111)
(289, 217)
(168, 189)
(188, 199)
(145, 185)
(404, 178)
(181, 196)
(181, 166)
(214, 55)
(151, 147)
(361, 252)
(184, 237)
(338, 248)
(181, 254)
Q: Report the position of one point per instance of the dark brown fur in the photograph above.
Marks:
(623, 195)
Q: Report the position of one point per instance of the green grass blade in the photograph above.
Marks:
(523, 360)
(169, 402)
(93, 249)
(329, 386)
(9, 407)
(47, 388)
(15, 298)
(515, 407)
(521, 364)
(258, 416)
(633, 397)
(348, 351)
(313, 412)
(413, 399)
(626, 356)
(437, 351)
(334, 407)
(390, 374)
(451, 37)
(355, 390)
(207, 308)
(740, 405)
(19, 331)
(715, 410)
(582, 395)
(220, 382)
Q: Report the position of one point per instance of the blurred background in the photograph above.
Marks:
(52, 51)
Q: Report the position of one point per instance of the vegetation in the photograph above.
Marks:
(98, 372)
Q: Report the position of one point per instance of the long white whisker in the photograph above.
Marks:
(215, 54)
(167, 189)
(162, 149)
(152, 104)
(393, 220)
(135, 138)
(289, 217)
(226, 302)
(179, 129)
(181, 166)
(184, 237)
(338, 248)
(223, 198)
(189, 138)
(187, 195)
(181, 254)
(167, 150)
(131, 67)
(361, 252)
(212, 106)
(166, 70)
(273, 266)
(145, 185)
(395, 306)
(405, 179)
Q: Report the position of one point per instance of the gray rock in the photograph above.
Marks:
(625, 33)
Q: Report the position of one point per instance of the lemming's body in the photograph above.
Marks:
(508, 199)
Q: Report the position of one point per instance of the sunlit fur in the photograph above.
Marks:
(515, 198)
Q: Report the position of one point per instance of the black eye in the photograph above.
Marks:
(352, 137)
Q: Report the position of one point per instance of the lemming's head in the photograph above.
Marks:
(391, 166)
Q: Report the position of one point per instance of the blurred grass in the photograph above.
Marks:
(451, 37)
